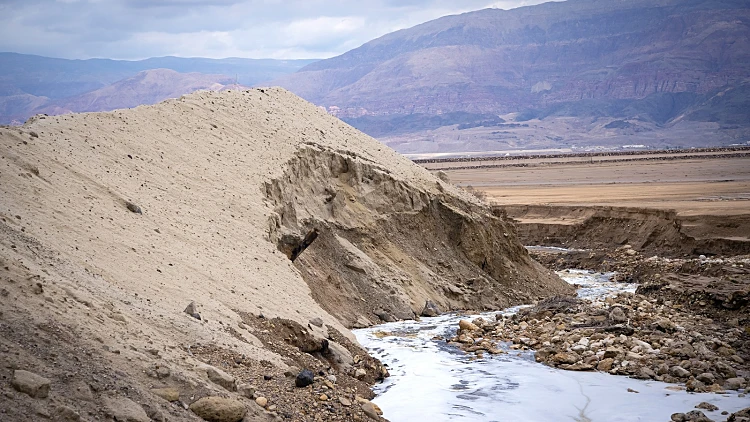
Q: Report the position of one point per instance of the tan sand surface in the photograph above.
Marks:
(705, 186)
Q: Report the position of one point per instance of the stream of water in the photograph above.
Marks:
(433, 381)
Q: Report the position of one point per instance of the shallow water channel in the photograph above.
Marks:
(433, 381)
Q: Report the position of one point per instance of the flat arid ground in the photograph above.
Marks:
(701, 186)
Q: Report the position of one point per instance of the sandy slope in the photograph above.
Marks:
(91, 289)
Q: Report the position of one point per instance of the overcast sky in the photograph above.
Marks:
(137, 29)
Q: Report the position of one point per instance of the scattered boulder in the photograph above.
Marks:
(679, 372)
(30, 383)
(218, 409)
(65, 414)
(317, 321)
(565, 358)
(371, 409)
(384, 315)
(430, 309)
(617, 315)
(219, 377)
(691, 416)
(467, 326)
(706, 378)
(740, 416)
(734, 383)
(706, 406)
(158, 371)
(122, 409)
(304, 378)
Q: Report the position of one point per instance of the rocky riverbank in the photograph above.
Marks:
(629, 334)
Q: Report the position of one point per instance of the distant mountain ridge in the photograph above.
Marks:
(574, 58)
(30, 83)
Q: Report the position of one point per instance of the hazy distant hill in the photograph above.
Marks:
(147, 87)
(656, 62)
(31, 82)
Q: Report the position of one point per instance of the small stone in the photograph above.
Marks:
(630, 390)
(706, 406)
(734, 383)
(217, 376)
(372, 410)
(430, 309)
(678, 417)
(65, 414)
(218, 409)
(304, 378)
(345, 402)
(30, 383)
(247, 390)
(168, 394)
(323, 397)
(697, 416)
(706, 378)
(261, 401)
(466, 325)
(605, 365)
(133, 208)
(565, 358)
(617, 315)
(332, 378)
(192, 311)
(360, 374)
(317, 321)
(679, 372)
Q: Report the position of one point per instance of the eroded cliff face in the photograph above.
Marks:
(384, 247)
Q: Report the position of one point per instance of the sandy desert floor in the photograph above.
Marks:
(705, 186)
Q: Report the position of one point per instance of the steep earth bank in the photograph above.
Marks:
(145, 268)
(649, 231)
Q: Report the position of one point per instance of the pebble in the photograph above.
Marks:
(261, 401)
(304, 378)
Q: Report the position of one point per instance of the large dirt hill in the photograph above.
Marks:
(225, 185)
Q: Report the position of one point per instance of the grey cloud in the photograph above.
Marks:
(130, 29)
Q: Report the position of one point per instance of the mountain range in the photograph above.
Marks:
(649, 65)
(560, 75)
(35, 84)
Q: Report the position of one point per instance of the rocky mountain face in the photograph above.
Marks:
(34, 84)
(574, 58)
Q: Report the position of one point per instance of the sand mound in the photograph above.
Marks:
(112, 223)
